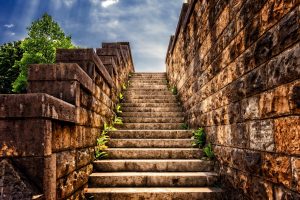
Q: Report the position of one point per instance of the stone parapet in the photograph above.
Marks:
(48, 135)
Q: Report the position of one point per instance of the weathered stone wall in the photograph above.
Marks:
(48, 135)
(236, 64)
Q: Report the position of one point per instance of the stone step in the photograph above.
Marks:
(149, 74)
(149, 82)
(150, 104)
(140, 165)
(146, 87)
(148, 77)
(150, 143)
(150, 100)
(153, 120)
(152, 179)
(151, 109)
(154, 153)
(165, 193)
(148, 92)
(151, 126)
(151, 114)
(151, 134)
(169, 96)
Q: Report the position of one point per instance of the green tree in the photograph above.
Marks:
(44, 37)
(9, 53)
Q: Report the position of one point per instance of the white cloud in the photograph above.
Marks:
(147, 25)
(9, 25)
(107, 3)
(69, 3)
(58, 4)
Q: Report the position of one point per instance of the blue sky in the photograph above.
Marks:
(146, 24)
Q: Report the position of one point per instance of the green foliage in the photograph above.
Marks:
(101, 146)
(118, 121)
(121, 96)
(174, 90)
(124, 87)
(44, 37)
(208, 151)
(102, 142)
(9, 54)
(199, 138)
(184, 126)
(118, 108)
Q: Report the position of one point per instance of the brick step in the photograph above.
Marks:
(150, 100)
(151, 134)
(152, 179)
(154, 153)
(151, 114)
(151, 126)
(148, 92)
(151, 109)
(140, 165)
(150, 104)
(150, 143)
(153, 120)
(165, 193)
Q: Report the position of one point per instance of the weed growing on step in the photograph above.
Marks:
(102, 142)
(121, 96)
(199, 138)
(118, 108)
(208, 151)
(104, 138)
(184, 126)
(124, 86)
(118, 121)
(174, 90)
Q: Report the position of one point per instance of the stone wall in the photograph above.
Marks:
(236, 64)
(48, 135)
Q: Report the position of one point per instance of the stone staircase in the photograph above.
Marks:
(150, 157)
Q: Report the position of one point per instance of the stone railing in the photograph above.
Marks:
(48, 135)
(236, 67)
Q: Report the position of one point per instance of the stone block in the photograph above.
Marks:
(285, 67)
(84, 55)
(68, 91)
(287, 135)
(260, 189)
(45, 106)
(30, 137)
(62, 136)
(224, 135)
(274, 102)
(294, 97)
(66, 186)
(256, 81)
(277, 169)
(239, 135)
(84, 157)
(296, 173)
(285, 194)
(288, 31)
(261, 135)
(249, 108)
(65, 163)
